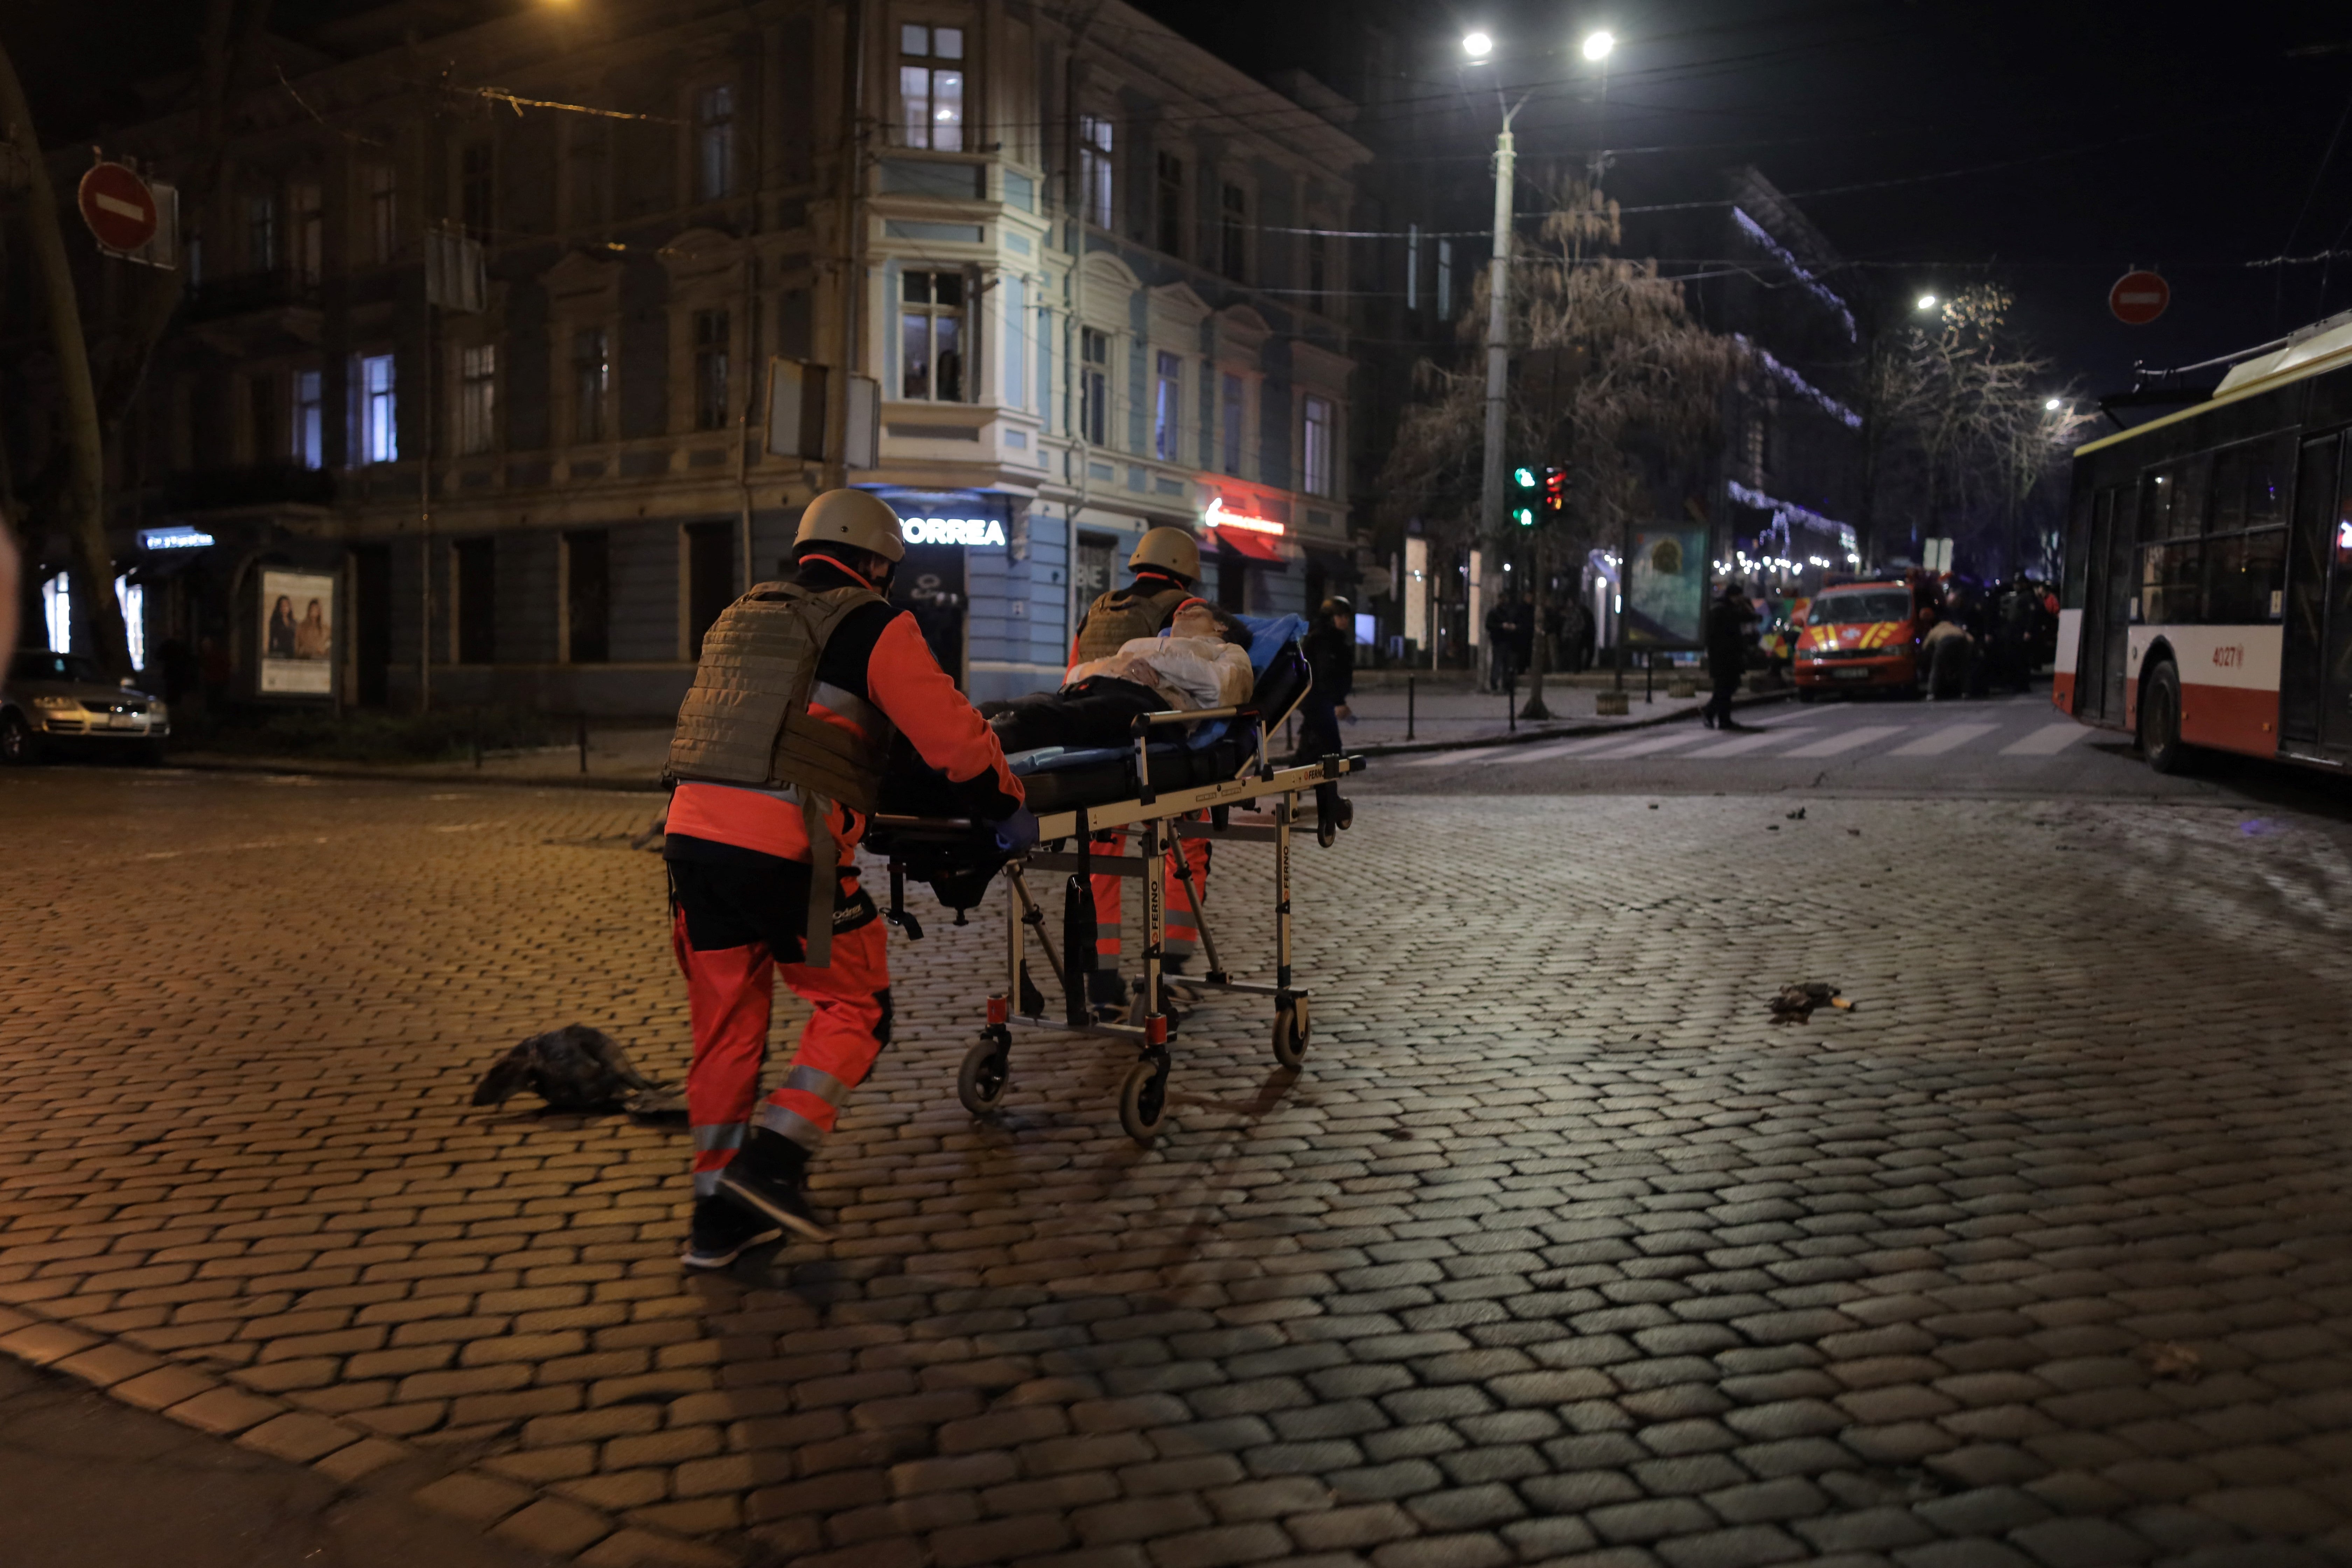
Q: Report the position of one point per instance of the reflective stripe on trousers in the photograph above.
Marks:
(729, 994)
(1183, 928)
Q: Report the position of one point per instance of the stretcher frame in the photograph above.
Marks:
(1158, 818)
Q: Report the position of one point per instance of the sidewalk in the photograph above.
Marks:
(1388, 719)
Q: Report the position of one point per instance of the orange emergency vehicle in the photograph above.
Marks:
(1863, 637)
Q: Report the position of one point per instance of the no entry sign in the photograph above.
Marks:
(117, 206)
(2138, 298)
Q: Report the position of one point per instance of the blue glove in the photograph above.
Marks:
(1016, 832)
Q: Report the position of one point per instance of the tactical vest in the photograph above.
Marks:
(746, 721)
(1124, 614)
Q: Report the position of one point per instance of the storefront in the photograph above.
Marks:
(987, 577)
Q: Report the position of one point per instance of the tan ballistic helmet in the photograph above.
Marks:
(856, 518)
(1171, 550)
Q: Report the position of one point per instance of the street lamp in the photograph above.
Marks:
(1477, 45)
(1598, 45)
(1927, 301)
(2053, 405)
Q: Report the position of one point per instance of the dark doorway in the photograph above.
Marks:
(588, 596)
(710, 578)
(372, 621)
(477, 600)
(930, 582)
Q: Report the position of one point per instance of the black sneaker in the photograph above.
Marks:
(721, 1233)
(767, 1179)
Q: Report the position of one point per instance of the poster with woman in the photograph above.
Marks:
(297, 634)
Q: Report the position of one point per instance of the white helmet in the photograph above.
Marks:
(859, 519)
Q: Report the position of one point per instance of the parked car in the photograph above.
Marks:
(60, 702)
(1862, 637)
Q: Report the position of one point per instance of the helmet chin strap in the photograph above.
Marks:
(837, 563)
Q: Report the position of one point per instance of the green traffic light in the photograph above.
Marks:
(1527, 519)
(1524, 477)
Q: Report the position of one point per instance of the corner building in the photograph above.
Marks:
(1076, 259)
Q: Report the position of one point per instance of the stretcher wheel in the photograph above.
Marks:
(987, 1069)
(1143, 1100)
(1291, 1028)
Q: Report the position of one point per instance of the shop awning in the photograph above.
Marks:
(1269, 548)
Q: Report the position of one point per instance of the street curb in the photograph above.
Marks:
(1554, 731)
(503, 1508)
(309, 768)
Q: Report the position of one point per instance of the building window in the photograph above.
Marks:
(1413, 267)
(310, 426)
(478, 392)
(1093, 169)
(56, 612)
(474, 189)
(1092, 574)
(1232, 423)
(132, 599)
(710, 578)
(592, 381)
(1167, 205)
(714, 142)
(587, 168)
(1316, 447)
(1094, 385)
(309, 235)
(1233, 230)
(1319, 274)
(588, 596)
(379, 411)
(1167, 406)
(710, 402)
(477, 599)
(1444, 280)
(931, 330)
(383, 211)
(261, 232)
(930, 87)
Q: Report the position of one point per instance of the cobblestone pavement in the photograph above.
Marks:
(1558, 1251)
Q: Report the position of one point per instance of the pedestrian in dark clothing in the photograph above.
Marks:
(1332, 655)
(1504, 624)
(1727, 621)
(1581, 634)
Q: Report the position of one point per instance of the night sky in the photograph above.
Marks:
(2046, 145)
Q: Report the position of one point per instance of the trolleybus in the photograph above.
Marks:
(2207, 596)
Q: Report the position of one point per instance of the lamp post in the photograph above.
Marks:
(1481, 48)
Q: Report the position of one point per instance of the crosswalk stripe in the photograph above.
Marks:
(1645, 746)
(1746, 743)
(1936, 743)
(2048, 740)
(1558, 749)
(1832, 745)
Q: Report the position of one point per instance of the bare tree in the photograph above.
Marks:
(1968, 425)
(1628, 391)
(72, 484)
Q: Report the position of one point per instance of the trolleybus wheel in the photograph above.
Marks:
(1143, 1100)
(980, 1083)
(2160, 721)
(1291, 1028)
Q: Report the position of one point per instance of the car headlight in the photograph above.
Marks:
(53, 704)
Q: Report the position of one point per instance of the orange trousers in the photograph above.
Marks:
(729, 994)
(1183, 924)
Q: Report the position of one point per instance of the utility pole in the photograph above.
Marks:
(85, 491)
(1498, 338)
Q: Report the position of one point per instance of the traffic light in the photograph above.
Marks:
(1524, 517)
(1555, 490)
(1524, 478)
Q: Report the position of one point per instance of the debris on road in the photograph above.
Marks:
(576, 1068)
(2165, 1359)
(1798, 814)
(1795, 1004)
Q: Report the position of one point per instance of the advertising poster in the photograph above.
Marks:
(297, 634)
(1666, 585)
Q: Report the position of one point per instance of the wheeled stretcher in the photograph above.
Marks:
(1163, 788)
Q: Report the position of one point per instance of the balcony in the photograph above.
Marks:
(234, 313)
(262, 485)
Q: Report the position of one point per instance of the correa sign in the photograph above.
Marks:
(974, 533)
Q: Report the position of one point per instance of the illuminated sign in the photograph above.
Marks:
(182, 538)
(975, 532)
(1218, 517)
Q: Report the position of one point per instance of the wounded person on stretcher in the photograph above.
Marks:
(1202, 660)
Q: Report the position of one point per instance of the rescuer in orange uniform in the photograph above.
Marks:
(778, 760)
(1166, 563)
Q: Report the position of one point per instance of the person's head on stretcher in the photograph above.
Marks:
(1202, 660)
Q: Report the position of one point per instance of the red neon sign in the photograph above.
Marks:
(1218, 517)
